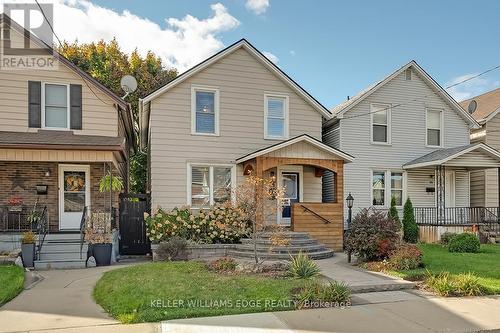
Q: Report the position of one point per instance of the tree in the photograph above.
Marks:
(107, 63)
(258, 197)
(393, 211)
(410, 227)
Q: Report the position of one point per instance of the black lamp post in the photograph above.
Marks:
(350, 201)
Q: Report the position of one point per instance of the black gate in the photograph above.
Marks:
(133, 238)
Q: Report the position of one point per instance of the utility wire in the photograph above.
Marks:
(60, 45)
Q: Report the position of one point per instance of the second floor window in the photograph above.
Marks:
(205, 111)
(434, 130)
(276, 117)
(56, 109)
(381, 127)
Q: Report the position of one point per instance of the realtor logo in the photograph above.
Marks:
(27, 37)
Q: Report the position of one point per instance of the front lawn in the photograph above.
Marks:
(11, 282)
(485, 264)
(169, 290)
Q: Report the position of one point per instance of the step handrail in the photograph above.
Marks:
(82, 229)
(42, 231)
(326, 221)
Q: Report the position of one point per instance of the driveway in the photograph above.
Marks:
(63, 299)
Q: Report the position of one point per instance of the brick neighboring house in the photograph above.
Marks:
(63, 130)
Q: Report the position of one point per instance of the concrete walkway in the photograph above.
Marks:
(392, 311)
(359, 280)
(63, 299)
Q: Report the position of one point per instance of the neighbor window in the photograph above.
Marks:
(434, 123)
(205, 111)
(276, 117)
(397, 187)
(378, 188)
(210, 185)
(56, 110)
(380, 123)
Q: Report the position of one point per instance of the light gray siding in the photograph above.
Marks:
(408, 137)
(242, 82)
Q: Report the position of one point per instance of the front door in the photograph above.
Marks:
(74, 195)
(290, 182)
(449, 189)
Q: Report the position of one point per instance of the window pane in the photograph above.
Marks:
(276, 127)
(222, 184)
(200, 187)
(398, 195)
(276, 107)
(205, 112)
(74, 181)
(379, 133)
(74, 202)
(56, 95)
(378, 180)
(380, 117)
(56, 117)
(434, 119)
(396, 180)
(378, 197)
(433, 137)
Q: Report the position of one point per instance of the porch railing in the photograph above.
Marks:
(456, 216)
(16, 218)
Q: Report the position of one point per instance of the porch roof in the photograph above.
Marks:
(334, 153)
(48, 139)
(477, 155)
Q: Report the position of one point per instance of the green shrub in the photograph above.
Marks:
(467, 284)
(393, 211)
(446, 237)
(441, 284)
(316, 294)
(465, 242)
(172, 250)
(373, 235)
(410, 227)
(302, 267)
(223, 264)
(406, 257)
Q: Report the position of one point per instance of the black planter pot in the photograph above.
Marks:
(102, 254)
(28, 253)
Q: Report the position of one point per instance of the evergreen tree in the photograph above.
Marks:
(393, 212)
(410, 227)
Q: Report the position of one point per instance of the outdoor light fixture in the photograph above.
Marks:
(47, 173)
(349, 200)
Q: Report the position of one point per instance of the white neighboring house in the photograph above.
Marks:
(410, 139)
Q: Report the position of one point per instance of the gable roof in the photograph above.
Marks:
(442, 156)
(488, 105)
(339, 110)
(242, 43)
(301, 138)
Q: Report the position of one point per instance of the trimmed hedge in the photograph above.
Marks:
(464, 243)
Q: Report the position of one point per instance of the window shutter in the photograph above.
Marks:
(75, 93)
(34, 104)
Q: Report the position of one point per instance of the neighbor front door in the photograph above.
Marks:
(449, 189)
(74, 195)
(290, 183)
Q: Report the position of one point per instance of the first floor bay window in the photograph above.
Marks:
(210, 185)
(397, 187)
(378, 188)
(387, 185)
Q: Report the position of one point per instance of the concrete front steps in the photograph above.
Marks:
(61, 251)
(298, 242)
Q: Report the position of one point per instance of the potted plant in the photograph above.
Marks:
(98, 235)
(28, 248)
(15, 204)
(34, 216)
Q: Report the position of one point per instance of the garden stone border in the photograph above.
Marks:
(202, 251)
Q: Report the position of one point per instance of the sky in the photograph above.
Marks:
(333, 49)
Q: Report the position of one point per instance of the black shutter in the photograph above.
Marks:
(34, 104)
(75, 93)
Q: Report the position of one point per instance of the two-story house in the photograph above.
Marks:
(411, 140)
(236, 114)
(485, 109)
(60, 132)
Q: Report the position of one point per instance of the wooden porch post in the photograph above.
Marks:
(440, 193)
(259, 214)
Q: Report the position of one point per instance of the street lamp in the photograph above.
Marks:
(350, 201)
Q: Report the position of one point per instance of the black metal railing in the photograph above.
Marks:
(19, 218)
(450, 216)
(83, 225)
(42, 230)
(326, 221)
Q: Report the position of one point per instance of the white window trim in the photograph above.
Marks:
(441, 129)
(388, 187)
(390, 172)
(215, 90)
(286, 129)
(68, 119)
(389, 123)
(211, 180)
